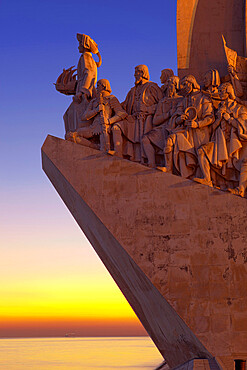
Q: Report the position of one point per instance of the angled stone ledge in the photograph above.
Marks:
(183, 242)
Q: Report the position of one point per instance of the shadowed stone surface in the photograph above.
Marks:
(188, 239)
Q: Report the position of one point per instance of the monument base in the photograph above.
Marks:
(176, 249)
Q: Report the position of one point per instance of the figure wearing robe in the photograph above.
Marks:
(86, 80)
(226, 153)
(188, 134)
(154, 141)
(140, 104)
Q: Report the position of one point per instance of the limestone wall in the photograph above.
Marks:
(188, 239)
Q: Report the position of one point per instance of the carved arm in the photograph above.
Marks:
(160, 118)
(206, 121)
(90, 113)
(118, 117)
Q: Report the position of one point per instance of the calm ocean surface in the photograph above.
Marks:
(132, 353)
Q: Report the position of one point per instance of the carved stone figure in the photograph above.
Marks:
(211, 82)
(237, 67)
(86, 80)
(238, 89)
(226, 153)
(140, 104)
(102, 112)
(165, 75)
(154, 140)
(192, 121)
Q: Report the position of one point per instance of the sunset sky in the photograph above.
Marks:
(51, 280)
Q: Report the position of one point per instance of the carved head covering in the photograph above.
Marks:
(88, 43)
(193, 81)
(215, 77)
(144, 70)
(106, 84)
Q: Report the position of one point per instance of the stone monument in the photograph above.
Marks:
(162, 198)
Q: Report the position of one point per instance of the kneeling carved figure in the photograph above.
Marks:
(101, 113)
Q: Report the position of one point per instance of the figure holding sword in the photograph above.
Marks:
(102, 112)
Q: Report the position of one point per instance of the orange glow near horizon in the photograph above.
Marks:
(48, 291)
(53, 327)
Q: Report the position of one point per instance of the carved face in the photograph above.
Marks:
(185, 87)
(171, 88)
(163, 78)
(81, 48)
(207, 79)
(100, 87)
(223, 93)
(138, 76)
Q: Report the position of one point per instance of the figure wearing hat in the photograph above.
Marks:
(86, 80)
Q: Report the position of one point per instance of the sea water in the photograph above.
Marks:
(131, 353)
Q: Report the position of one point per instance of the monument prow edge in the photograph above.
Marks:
(73, 170)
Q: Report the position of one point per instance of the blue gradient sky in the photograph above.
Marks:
(39, 240)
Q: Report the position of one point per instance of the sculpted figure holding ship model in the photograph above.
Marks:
(84, 86)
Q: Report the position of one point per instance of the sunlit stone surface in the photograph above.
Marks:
(188, 239)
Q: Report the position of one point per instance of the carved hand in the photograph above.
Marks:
(220, 113)
(143, 108)
(192, 124)
(226, 116)
(183, 117)
(231, 70)
(100, 107)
